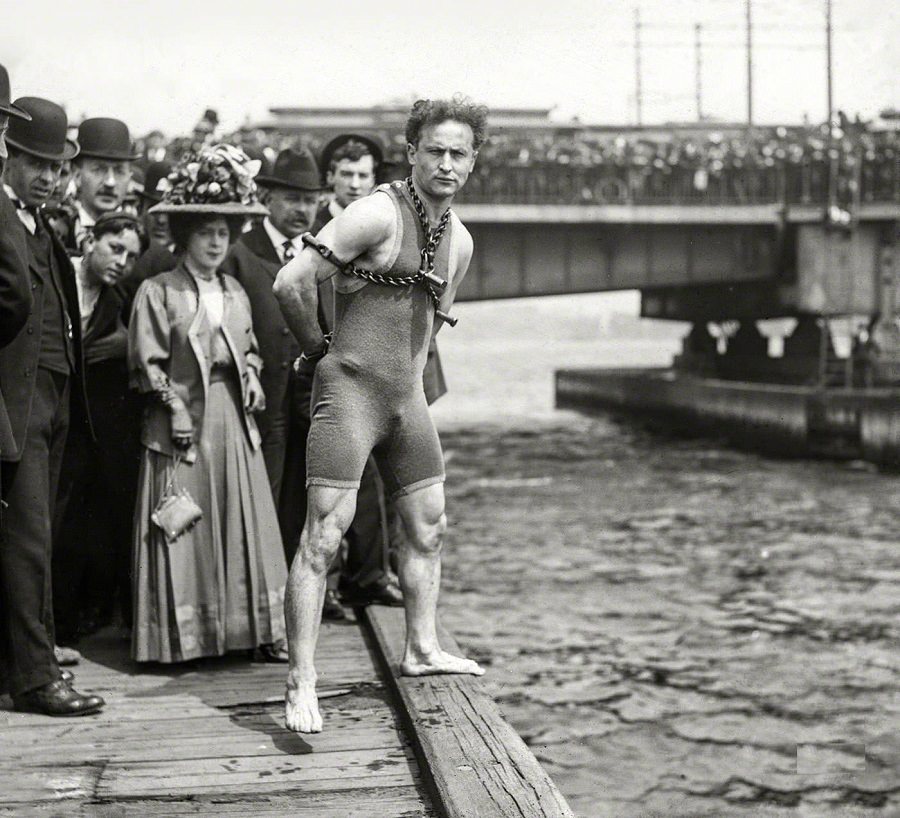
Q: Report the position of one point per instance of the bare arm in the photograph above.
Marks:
(360, 229)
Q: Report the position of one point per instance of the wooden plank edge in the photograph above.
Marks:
(387, 629)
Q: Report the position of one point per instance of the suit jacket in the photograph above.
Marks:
(254, 262)
(19, 359)
(170, 343)
(15, 296)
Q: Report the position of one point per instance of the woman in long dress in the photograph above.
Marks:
(220, 585)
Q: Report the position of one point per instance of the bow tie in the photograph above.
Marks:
(20, 205)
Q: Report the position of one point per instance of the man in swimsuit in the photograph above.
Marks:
(368, 395)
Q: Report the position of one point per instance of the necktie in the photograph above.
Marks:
(288, 248)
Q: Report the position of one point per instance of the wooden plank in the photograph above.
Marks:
(309, 773)
(373, 802)
(35, 784)
(474, 761)
(274, 740)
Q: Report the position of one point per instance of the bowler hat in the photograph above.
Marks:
(44, 135)
(373, 145)
(293, 169)
(6, 107)
(155, 171)
(102, 137)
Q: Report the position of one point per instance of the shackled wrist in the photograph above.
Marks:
(317, 354)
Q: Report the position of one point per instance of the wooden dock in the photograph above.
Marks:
(208, 738)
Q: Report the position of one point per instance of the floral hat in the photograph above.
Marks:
(213, 180)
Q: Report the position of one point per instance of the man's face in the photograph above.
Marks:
(157, 227)
(292, 211)
(443, 158)
(33, 179)
(111, 258)
(102, 184)
(4, 127)
(352, 180)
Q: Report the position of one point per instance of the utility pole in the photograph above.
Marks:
(749, 66)
(698, 71)
(638, 93)
(828, 56)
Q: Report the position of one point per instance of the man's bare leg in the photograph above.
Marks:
(423, 526)
(329, 513)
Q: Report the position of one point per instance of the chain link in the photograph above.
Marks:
(426, 268)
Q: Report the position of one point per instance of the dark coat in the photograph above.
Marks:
(253, 261)
(15, 296)
(19, 359)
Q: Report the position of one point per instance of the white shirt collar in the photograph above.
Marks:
(334, 208)
(278, 239)
(25, 216)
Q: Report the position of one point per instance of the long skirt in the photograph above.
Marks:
(219, 586)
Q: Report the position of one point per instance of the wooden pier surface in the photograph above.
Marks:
(208, 738)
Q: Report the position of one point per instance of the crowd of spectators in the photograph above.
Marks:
(591, 166)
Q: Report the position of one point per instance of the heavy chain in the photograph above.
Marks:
(425, 276)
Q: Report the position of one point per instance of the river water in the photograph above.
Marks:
(675, 628)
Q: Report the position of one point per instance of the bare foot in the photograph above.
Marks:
(301, 707)
(439, 662)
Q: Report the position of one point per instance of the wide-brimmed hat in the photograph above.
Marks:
(216, 180)
(6, 107)
(294, 169)
(372, 143)
(102, 137)
(44, 134)
(155, 171)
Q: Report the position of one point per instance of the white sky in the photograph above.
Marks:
(159, 64)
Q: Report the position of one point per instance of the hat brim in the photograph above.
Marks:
(69, 152)
(110, 157)
(225, 209)
(16, 111)
(271, 181)
(376, 149)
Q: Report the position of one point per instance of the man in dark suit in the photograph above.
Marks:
(98, 481)
(37, 370)
(292, 193)
(102, 171)
(15, 287)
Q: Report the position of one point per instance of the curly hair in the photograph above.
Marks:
(352, 150)
(425, 112)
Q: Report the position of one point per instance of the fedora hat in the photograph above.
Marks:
(44, 133)
(293, 169)
(102, 137)
(331, 147)
(6, 107)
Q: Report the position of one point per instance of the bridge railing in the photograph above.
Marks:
(804, 182)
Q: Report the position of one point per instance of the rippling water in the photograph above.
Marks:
(676, 628)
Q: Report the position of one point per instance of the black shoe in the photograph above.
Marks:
(57, 699)
(387, 593)
(332, 608)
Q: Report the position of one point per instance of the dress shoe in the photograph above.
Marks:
(57, 699)
(387, 593)
(332, 608)
(275, 652)
(66, 656)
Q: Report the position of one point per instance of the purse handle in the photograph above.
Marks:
(170, 483)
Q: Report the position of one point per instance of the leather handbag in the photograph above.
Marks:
(176, 512)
